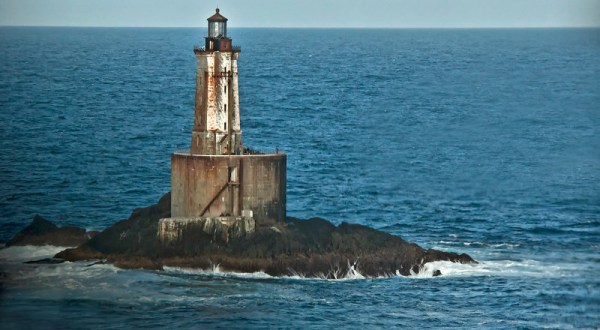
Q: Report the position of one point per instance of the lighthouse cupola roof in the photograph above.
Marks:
(217, 17)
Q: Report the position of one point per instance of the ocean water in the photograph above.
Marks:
(484, 142)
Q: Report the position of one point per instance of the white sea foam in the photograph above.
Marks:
(476, 244)
(530, 268)
(80, 275)
(506, 245)
(76, 280)
(44, 275)
(215, 270)
(28, 253)
(353, 273)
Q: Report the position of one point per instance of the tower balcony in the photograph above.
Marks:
(200, 50)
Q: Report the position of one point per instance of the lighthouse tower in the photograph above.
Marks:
(217, 111)
(217, 180)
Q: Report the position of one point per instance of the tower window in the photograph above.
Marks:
(225, 89)
(233, 174)
(225, 126)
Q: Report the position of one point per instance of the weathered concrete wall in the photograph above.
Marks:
(229, 185)
(234, 98)
(225, 228)
(215, 143)
(217, 128)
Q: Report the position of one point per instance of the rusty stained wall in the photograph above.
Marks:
(215, 143)
(230, 185)
(174, 229)
(217, 109)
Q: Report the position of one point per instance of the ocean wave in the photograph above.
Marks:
(29, 252)
(13, 258)
(215, 271)
(500, 268)
(352, 273)
(477, 244)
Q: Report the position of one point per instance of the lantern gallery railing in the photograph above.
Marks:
(202, 49)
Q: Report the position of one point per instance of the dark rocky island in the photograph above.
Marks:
(44, 232)
(312, 248)
(228, 205)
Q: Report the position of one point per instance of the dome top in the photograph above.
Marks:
(217, 17)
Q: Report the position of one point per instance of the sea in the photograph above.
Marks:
(477, 141)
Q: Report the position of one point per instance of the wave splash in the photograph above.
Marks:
(352, 272)
(28, 253)
(503, 268)
(13, 258)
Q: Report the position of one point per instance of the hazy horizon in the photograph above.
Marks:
(307, 27)
(304, 14)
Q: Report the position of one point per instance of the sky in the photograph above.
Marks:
(304, 13)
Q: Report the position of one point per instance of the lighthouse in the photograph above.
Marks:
(217, 108)
(218, 179)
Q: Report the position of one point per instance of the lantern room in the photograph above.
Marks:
(217, 25)
(217, 33)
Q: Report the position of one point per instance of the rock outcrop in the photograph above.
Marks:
(44, 232)
(311, 248)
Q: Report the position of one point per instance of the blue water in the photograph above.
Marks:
(485, 142)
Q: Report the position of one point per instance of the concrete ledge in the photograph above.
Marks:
(174, 229)
(279, 154)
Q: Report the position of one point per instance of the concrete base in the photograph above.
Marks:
(172, 230)
(209, 186)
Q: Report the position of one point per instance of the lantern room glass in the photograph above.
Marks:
(217, 29)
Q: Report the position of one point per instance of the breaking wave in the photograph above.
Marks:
(27, 253)
(479, 244)
(503, 268)
(13, 258)
(215, 271)
(338, 273)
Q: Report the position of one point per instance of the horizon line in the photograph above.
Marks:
(314, 27)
